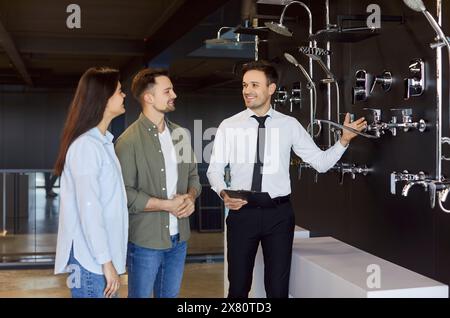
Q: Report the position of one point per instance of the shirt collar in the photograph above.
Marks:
(97, 134)
(149, 125)
(250, 113)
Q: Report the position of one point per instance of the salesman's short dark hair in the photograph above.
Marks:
(263, 66)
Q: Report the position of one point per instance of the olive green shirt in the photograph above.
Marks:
(140, 155)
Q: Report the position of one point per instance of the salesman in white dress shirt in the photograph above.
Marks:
(262, 130)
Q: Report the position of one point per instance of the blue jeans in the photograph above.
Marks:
(160, 271)
(83, 283)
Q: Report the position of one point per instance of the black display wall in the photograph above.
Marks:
(362, 212)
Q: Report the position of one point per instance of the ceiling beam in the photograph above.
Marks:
(8, 45)
(80, 46)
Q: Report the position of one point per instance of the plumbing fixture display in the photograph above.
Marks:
(351, 169)
(296, 96)
(332, 123)
(384, 80)
(433, 187)
(312, 87)
(315, 54)
(281, 29)
(363, 83)
(438, 186)
(280, 97)
(378, 127)
(415, 85)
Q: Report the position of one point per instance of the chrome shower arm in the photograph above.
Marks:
(307, 10)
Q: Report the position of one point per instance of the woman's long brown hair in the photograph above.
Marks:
(94, 89)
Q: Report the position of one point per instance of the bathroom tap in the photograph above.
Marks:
(406, 123)
(406, 176)
(352, 169)
(410, 184)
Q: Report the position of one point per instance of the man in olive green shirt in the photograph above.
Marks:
(161, 180)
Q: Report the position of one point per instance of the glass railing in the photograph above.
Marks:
(29, 217)
(29, 214)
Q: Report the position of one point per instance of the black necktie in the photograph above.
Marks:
(257, 169)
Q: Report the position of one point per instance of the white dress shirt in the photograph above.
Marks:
(235, 144)
(93, 214)
(171, 166)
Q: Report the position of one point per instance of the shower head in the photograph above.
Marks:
(317, 51)
(291, 59)
(278, 28)
(220, 41)
(315, 54)
(416, 5)
(294, 61)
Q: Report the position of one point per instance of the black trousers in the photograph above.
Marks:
(246, 228)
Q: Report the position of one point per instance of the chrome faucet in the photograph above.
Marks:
(406, 123)
(352, 169)
(410, 184)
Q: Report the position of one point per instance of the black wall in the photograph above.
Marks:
(362, 212)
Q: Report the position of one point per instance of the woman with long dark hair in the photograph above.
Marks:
(93, 219)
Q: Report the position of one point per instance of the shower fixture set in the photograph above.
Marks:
(437, 186)
(365, 84)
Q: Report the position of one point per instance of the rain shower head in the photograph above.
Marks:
(416, 5)
(278, 28)
(220, 41)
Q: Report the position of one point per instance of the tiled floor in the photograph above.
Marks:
(199, 281)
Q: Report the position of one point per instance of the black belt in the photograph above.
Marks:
(281, 200)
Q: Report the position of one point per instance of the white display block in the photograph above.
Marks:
(325, 267)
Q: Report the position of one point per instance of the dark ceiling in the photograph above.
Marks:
(38, 49)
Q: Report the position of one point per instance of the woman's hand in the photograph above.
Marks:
(112, 280)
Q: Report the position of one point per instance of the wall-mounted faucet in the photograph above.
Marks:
(439, 188)
(415, 85)
(407, 122)
(378, 127)
(411, 180)
(352, 169)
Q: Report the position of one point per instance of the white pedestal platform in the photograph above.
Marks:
(326, 267)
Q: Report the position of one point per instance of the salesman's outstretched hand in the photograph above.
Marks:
(359, 124)
(232, 203)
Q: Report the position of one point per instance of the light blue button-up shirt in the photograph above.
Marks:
(93, 206)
